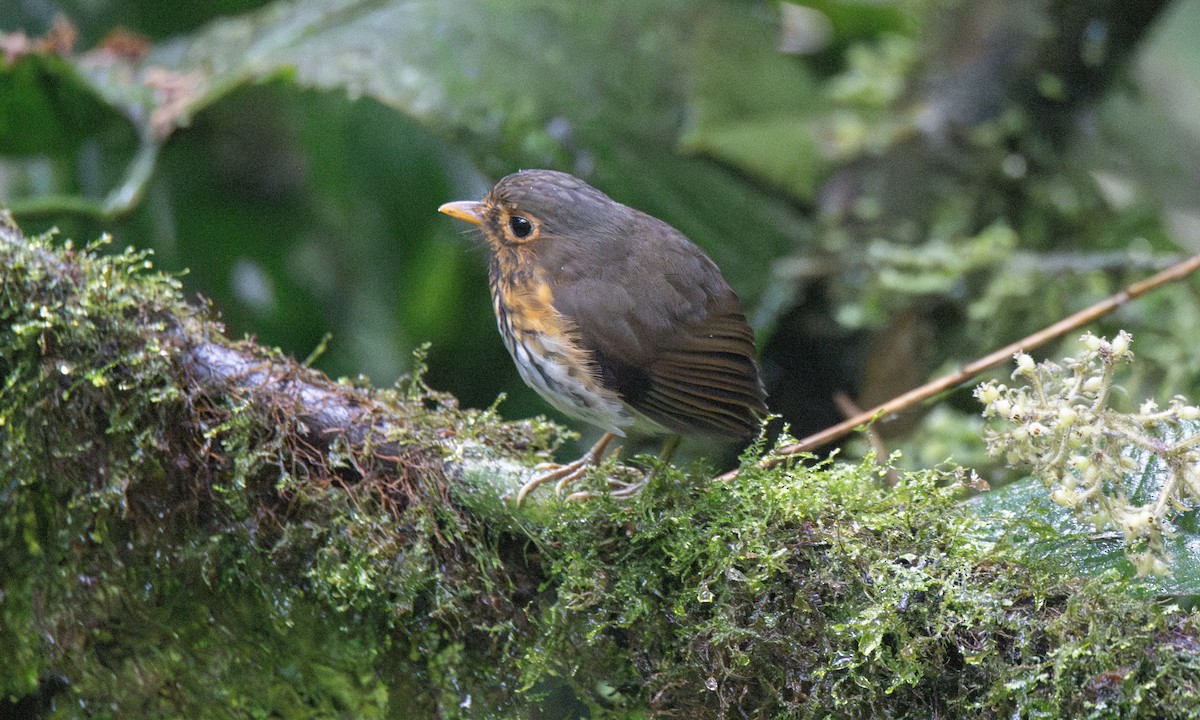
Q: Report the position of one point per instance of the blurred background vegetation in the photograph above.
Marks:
(893, 188)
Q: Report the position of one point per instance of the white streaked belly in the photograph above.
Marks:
(541, 361)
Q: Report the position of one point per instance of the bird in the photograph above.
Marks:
(614, 317)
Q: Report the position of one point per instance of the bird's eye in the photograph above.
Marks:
(520, 226)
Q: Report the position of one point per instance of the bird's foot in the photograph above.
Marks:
(568, 473)
(618, 489)
(621, 489)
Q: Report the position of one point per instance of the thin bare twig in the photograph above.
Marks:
(902, 402)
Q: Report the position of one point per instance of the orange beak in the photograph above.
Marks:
(469, 210)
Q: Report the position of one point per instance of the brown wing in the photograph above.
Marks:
(707, 382)
(667, 332)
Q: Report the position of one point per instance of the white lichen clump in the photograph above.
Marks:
(1132, 472)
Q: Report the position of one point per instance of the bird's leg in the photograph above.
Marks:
(620, 489)
(668, 451)
(572, 471)
(590, 459)
(664, 457)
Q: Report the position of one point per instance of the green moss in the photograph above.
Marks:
(820, 592)
(172, 547)
(76, 387)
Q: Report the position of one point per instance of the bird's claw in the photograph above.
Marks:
(564, 475)
(618, 489)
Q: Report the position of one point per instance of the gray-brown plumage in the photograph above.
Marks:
(612, 315)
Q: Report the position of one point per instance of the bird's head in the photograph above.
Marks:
(545, 213)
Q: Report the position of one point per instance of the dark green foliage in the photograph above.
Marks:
(45, 107)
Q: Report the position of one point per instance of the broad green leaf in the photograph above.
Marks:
(600, 89)
(779, 150)
(44, 109)
(752, 109)
(1040, 530)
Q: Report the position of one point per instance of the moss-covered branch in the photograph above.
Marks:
(198, 527)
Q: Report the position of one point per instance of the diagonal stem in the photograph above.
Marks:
(1176, 272)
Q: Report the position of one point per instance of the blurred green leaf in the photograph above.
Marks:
(45, 108)
(779, 150)
(752, 108)
(864, 18)
(597, 89)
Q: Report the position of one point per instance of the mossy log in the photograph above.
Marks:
(194, 526)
